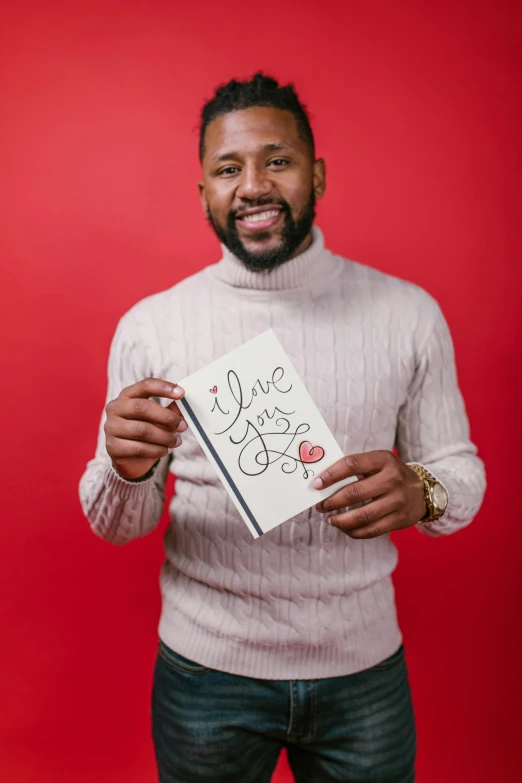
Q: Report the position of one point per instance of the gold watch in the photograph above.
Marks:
(435, 496)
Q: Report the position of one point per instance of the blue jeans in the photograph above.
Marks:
(211, 726)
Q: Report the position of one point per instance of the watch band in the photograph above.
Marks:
(427, 479)
(421, 471)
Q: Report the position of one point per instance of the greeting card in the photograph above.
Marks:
(256, 422)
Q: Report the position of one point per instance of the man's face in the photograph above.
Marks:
(259, 186)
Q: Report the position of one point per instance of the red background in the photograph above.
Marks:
(416, 107)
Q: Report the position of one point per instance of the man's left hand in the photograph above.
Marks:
(395, 491)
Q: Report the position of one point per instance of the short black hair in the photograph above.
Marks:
(260, 90)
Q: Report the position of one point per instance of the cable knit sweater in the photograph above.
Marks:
(303, 601)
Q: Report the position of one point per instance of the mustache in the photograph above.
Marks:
(260, 202)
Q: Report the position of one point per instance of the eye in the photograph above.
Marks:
(228, 171)
(279, 162)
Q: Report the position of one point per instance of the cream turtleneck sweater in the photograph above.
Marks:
(303, 601)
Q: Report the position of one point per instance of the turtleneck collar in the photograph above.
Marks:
(299, 272)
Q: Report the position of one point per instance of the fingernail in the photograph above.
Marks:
(169, 451)
(178, 391)
(317, 483)
(329, 520)
(179, 441)
(182, 426)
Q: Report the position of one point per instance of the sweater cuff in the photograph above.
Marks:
(127, 489)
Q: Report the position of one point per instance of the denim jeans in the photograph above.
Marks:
(211, 726)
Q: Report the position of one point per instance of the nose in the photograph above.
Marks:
(254, 183)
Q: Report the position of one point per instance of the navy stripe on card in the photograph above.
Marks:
(230, 480)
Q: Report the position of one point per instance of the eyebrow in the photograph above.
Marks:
(272, 145)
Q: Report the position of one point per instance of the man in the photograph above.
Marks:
(290, 640)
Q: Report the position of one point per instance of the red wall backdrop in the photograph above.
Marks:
(416, 107)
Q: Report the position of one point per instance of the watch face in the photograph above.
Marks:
(440, 497)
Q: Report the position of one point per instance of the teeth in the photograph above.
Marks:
(260, 216)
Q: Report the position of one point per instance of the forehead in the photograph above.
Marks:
(248, 130)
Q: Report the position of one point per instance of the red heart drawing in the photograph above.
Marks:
(214, 390)
(309, 453)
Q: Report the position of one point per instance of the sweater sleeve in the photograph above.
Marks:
(433, 429)
(119, 510)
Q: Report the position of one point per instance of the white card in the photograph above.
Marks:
(256, 422)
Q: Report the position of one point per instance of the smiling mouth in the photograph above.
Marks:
(260, 221)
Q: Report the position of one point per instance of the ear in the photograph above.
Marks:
(203, 197)
(319, 177)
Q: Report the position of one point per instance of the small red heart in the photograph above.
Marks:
(309, 453)
(214, 390)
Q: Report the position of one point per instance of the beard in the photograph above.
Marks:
(292, 236)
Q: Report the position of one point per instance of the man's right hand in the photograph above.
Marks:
(138, 430)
